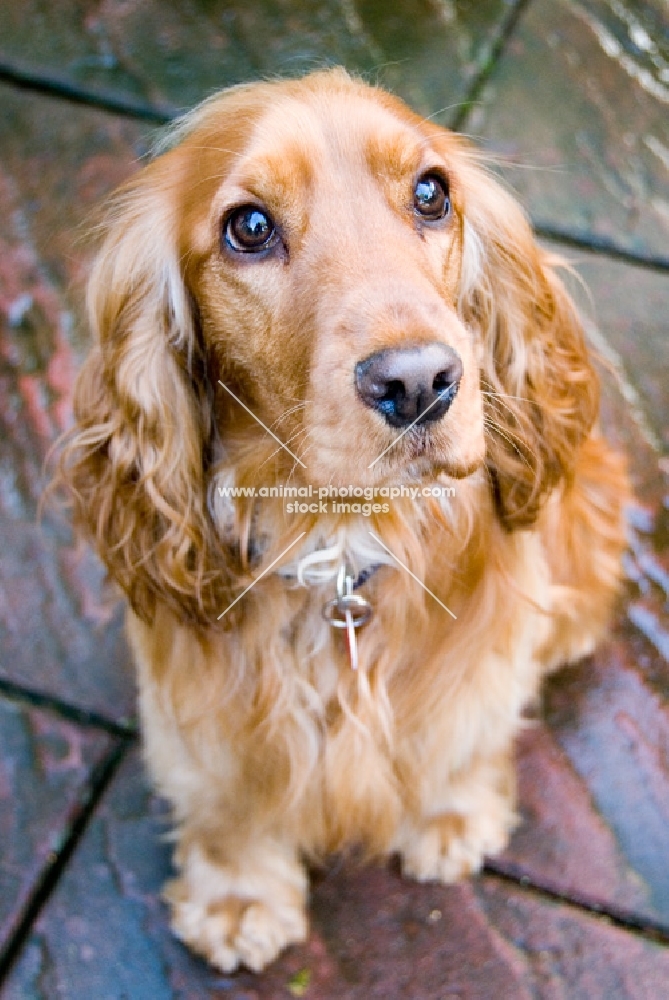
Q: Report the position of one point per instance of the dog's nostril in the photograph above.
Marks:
(442, 382)
(391, 390)
(391, 396)
(410, 385)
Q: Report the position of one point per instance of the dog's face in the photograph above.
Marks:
(323, 246)
(357, 284)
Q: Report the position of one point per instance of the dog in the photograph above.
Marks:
(312, 291)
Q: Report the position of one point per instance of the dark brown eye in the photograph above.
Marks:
(249, 229)
(430, 197)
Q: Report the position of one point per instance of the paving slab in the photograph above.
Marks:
(59, 632)
(563, 844)
(172, 55)
(568, 955)
(624, 307)
(57, 636)
(578, 103)
(104, 933)
(594, 782)
(57, 163)
(610, 714)
(45, 769)
(612, 721)
(629, 305)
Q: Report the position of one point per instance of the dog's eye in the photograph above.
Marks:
(430, 197)
(249, 229)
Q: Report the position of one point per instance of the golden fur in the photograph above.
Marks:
(270, 748)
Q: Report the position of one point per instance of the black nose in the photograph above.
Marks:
(411, 384)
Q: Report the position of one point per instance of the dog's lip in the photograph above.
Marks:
(417, 444)
(419, 456)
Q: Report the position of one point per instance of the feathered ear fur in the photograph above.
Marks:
(542, 393)
(135, 463)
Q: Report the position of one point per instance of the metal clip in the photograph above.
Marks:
(348, 610)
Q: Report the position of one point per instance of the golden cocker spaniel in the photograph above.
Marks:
(321, 302)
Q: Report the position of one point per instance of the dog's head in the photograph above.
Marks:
(313, 258)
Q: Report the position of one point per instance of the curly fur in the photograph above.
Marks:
(270, 748)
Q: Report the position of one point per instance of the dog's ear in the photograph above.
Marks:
(541, 391)
(135, 462)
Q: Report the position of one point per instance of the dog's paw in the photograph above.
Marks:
(451, 846)
(232, 932)
(222, 918)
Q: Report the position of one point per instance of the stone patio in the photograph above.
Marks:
(569, 97)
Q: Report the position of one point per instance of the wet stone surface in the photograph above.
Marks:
(58, 161)
(629, 306)
(579, 103)
(614, 727)
(104, 933)
(566, 953)
(172, 55)
(562, 842)
(59, 631)
(45, 770)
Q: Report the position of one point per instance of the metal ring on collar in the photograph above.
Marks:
(359, 609)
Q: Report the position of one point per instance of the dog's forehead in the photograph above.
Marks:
(297, 141)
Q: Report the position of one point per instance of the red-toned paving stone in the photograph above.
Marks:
(594, 779)
(45, 767)
(562, 843)
(614, 726)
(55, 637)
(374, 935)
(569, 955)
(579, 101)
(59, 633)
(57, 163)
(104, 932)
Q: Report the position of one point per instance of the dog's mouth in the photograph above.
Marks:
(420, 455)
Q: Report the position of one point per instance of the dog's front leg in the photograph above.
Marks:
(240, 893)
(469, 819)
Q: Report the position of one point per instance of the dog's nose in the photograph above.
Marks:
(410, 384)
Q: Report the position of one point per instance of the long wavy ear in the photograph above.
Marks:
(136, 460)
(541, 391)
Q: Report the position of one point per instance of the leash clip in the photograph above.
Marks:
(348, 610)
